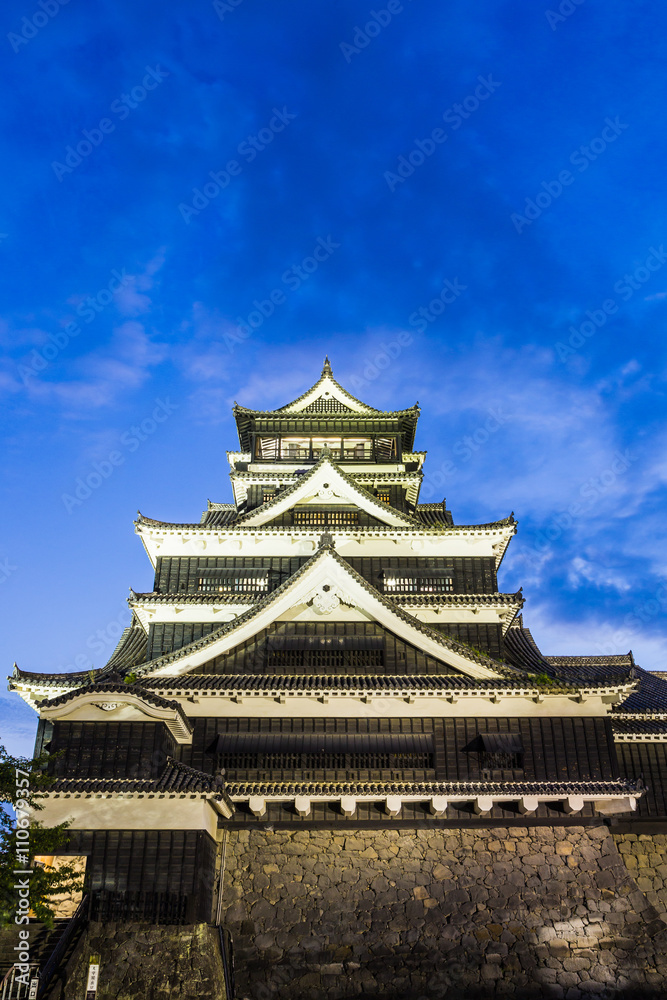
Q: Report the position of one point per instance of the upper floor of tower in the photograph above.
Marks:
(326, 419)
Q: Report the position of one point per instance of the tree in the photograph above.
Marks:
(21, 780)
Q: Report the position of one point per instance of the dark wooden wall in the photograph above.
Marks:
(399, 657)
(648, 761)
(179, 861)
(110, 749)
(579, 749)
(397, 500)
(487, 638)
(167, 637)
(175, 575)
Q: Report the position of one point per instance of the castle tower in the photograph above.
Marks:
(327, 652)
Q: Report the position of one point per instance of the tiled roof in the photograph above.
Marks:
(523, 653)
(176, 778)
(433, 514)
(122, 690)
(650, 697)
(402, 684)
(219, 518)
(130, 651)
(180, 597)
(619, 787)
(280, 497)
(638, 727)
(459, 599)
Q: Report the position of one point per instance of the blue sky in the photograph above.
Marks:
(169, 167)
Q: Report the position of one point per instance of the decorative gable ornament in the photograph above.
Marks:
(327, 598)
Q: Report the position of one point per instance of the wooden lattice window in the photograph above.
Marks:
(497, 752)
(233, 581)
(384, 496)
(325, 655)
(324, 752)
(325, 517)
(413, 581)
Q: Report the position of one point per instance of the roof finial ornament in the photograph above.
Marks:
(326, 539)
(327, 367)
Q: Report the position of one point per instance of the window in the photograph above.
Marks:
(295, 449)
(325, 517)
(418, 581)
(325, 751)
(358, 449)
(266, 448)
(497, 752)
(320, 443)
(233, 581)
(268, 496)
(384, 496)
(307, 448)
(322, 654)
(385, 449)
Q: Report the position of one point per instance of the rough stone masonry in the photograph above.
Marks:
(525, 912)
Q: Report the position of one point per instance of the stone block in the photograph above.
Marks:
(566, 979)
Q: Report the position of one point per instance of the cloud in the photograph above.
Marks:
(104, 374)
(131, 298)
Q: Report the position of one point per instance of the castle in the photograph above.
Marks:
(328, 730)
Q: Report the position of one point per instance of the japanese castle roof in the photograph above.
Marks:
(425, 517)
(325, 393)
(326, 401)
(176, 779)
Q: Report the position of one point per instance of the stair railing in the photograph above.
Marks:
(11, 988)
(78, 919)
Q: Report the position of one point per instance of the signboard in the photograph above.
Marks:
(32, 995)
(93, 977)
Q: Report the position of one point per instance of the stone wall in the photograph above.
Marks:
(645, 857)
(145, 962)
(525, 912)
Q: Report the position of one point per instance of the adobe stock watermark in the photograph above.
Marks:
(88, 310)
(378, 363)
(634, 622)
(454, 116)
(581, 158)
(565, 9)
(31, 26)
(131, 440)
(465, 449)
(590, 493)
(224, 7)
(292, 278)
(101, 642)
(449, 293)
(377, 22)
(248, 149)
(7, 569)
(22, 873)
(122, 106)
(625, 287)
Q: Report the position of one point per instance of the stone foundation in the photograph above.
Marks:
(645, 857)
(147, 962)
(525, 912)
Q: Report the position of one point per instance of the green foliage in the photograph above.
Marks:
(542, 679)
(44, 883)
(130, 678)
